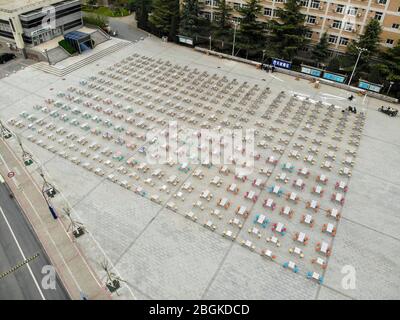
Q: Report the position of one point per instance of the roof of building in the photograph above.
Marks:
(12, 6)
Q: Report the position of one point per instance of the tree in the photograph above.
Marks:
(222, 20)
(321, 52)
(369, 40)
(289, 33)
(192, 23)
(142, 9)
(165, 17)
(389, 68)
(252, 32)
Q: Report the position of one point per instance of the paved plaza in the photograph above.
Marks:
(303, 207)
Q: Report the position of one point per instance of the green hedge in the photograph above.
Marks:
(67, 47)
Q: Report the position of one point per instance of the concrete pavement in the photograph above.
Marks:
(64, 254)
(18, 242)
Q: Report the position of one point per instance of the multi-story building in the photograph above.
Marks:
(31, 22)
(342, 20)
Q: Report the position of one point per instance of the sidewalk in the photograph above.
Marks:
(65, 256)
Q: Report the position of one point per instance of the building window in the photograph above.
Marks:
(395, 25)
(311, 19)
(352, 11)
(275, 13)
(268, 12)
(315, 4)
(343, 41)
(304, 3)
(340, 8)
(207, 15)
(337, 24)
(348, 26)
(382, 1)
(308, 34)
(378, 16)
(278, 0)
(332, 38)
(389, 41)
(236, 6)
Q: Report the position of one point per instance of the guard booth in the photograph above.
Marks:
(79, 40)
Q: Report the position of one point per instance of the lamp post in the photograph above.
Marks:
(263, 56)
(390, 87)
(360, 51)
(235, 23)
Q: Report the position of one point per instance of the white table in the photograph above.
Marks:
(299, 183)
(334, 213)
(286, 210)
(261, 219)
(304, 171)
(291, 265)
(318, 189)
(342, 185)
(313, 204)
(276, 189)
(223, 202)
(308, 219)
(324, 247)
(250, 194)
(257, 182)
(269, 203)
(216, 180)
(330, 227)
(279, 227)
(301, 237)
(322, 178)
(297, 250)
(338, 197)
(242, 210)
(233, 187)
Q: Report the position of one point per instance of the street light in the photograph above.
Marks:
(360, 51)
(390, 87)
(4, 132)
(235, 23)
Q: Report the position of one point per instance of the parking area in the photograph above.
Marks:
(208, 174)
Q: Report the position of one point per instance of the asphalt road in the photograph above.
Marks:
(17, 243)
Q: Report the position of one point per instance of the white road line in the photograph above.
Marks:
(22, 253)
(277, 78)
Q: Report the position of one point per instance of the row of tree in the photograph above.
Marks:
(282, 37)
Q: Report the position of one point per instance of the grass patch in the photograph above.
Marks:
(108, 12)
(70, 49)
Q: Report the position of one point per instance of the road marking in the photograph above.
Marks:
(19, 265)
(277, 78)
(22, 253)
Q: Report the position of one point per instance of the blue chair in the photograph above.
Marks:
(286, 264)
(271, 189)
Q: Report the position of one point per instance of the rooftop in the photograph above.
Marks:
(23, 5)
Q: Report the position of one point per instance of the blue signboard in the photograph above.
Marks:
(281, 63)
(334, 77)
(311, 71)
(369, 86)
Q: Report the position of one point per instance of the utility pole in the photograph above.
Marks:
(76, 227)
(360, 51)
(48, 191)
(26, 156)
(390, 87)
(5, 133)
(235, 23)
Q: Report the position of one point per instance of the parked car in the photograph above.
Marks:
(5, 57)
